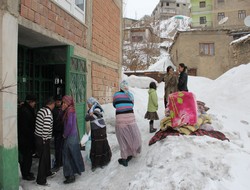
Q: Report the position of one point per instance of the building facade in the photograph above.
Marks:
(219, 14)
(206, 53)
(165, 9)
(53, 47)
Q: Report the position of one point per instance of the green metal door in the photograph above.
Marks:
(76, 86)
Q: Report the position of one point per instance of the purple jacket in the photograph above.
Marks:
(70, 127)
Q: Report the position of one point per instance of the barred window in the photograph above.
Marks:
(203, 20)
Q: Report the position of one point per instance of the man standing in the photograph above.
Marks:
(26, 141)
(43, 134)
(58, 132)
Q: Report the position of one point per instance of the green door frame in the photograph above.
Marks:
(76, 70)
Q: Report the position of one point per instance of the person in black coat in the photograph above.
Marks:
(183, 78)
(26, 140)
(58, 132)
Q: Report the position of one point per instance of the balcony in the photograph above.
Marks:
(198, 9)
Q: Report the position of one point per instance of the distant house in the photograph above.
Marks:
(165, 9)
(138, 30)
(208, 53)
(219, 14)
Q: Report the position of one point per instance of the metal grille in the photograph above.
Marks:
(77, 87)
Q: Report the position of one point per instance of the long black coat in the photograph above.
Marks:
(182, 83)
(26, 127)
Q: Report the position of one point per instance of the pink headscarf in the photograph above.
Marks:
(68, 100)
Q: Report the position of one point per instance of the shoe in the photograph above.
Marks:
(69, 179)
(129, 158)
(123, 162)
(51, 174)
(29, 178)
(152, 130)
(31, 174)
(43, 184)
(55, 169)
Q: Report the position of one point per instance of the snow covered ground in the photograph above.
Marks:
(179, 162)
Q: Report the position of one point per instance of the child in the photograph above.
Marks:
(151, 113)
(100, 152)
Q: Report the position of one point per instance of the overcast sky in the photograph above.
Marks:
(136, 9)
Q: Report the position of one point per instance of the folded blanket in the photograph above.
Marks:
(171, 132)
(183, 108)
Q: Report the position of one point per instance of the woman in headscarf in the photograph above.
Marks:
(100, 152)
(127, 131)
(72, 158)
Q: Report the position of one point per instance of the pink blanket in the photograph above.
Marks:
(183, 108)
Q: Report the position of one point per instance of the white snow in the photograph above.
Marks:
(183, 162)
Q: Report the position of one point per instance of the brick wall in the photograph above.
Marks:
(106, 29)
(50, 16)
(104, 82)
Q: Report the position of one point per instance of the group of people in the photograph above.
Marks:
(35, 131)
(58, 119)
(173, 82)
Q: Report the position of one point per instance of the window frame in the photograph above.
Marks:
(202, 4)
(204, 20)
(207, 49)
(220, 15)
(242, 14)
(73, 9)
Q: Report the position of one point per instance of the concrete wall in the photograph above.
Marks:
(8, 96)
(186, 50)
(231, 8)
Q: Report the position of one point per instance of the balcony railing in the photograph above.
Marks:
(201, 9)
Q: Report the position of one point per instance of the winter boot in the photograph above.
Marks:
(123, 162)
(151, 128)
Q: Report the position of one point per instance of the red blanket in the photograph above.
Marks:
(171, 132)
(183, 108)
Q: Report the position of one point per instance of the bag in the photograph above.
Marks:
(183, 108)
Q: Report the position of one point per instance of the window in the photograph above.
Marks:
(167, 4)
(207, 49)
(137, 38)
(220, 16)
(241, 14)
(80, 4)
(74, 7)
(203, 20)
(202, 4)
(177, 5)
(220, 1)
